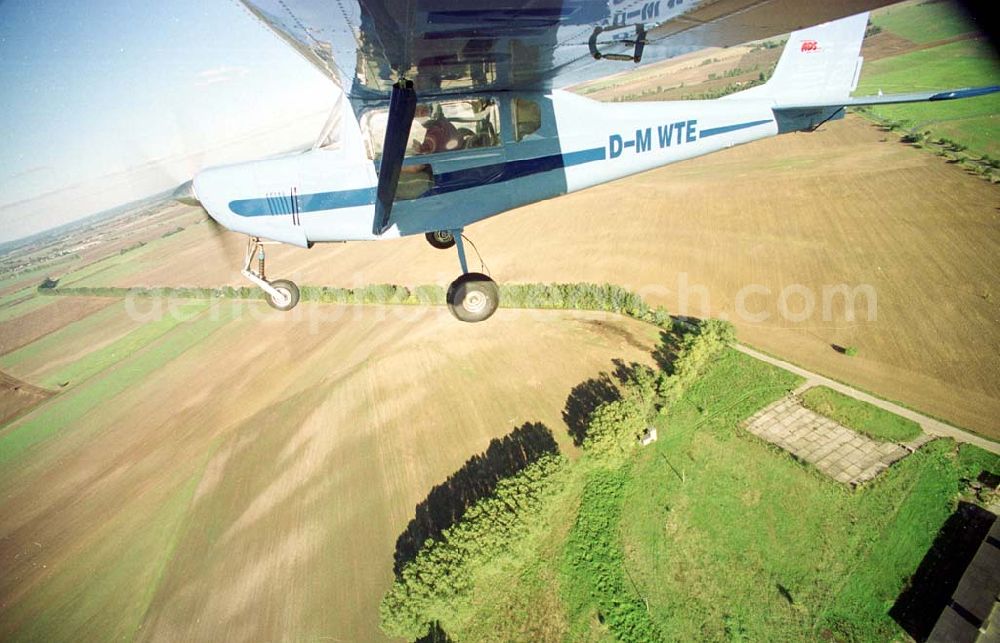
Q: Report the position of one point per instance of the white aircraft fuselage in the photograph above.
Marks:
(451, 161)
(328, 195)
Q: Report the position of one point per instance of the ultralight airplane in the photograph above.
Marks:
(450, 112)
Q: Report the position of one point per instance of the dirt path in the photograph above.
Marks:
(928, 424)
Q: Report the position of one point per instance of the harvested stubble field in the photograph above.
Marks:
(246, 475)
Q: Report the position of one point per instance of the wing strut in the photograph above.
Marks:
(402, 107)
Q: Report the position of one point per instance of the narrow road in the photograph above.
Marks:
(929, 425)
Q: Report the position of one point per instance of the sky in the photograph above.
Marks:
(108, 101)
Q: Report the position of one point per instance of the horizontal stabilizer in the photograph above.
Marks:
(890, 99)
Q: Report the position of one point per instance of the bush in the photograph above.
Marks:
(428, 295)
(615, 427)
(697, 349)
(427, 587)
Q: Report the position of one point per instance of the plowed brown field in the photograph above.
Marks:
(253, 487)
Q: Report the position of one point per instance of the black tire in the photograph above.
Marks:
(473, 297)
(286, 287)
(442, 239)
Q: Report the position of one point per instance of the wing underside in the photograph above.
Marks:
(454, 46)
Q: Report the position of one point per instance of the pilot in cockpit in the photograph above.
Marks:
(447, 133)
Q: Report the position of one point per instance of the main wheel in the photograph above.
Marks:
(473, 297)
(289, 290)
(442, 239)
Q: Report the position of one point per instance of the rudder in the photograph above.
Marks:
(822, 63)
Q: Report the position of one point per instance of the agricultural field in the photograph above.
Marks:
(707, 534)
(249, 473)
(216, 470)
(17, 396)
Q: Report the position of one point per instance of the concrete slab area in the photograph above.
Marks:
(839, 452)
(930, 426)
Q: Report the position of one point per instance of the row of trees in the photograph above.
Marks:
(430, 588)
(578, 296)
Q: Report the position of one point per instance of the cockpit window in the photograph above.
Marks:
(527, 118)
(445, 126)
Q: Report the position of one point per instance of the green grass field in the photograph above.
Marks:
(973, 122)
(923, 22)
(65, 410)
(874, 422)
(711, 534)
(729, 538)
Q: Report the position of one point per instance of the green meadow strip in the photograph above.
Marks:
(23, 307)
(134, 341)
(65, 410)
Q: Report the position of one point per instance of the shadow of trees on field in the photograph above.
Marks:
(435, 635)
(447, 502)
(666, 352)
(583, 400)
(917, 609)
(586, 396)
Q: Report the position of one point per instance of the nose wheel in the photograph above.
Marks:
(473, 297)
(288, 294)
(281, 294)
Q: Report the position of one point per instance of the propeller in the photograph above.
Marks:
(185, 194)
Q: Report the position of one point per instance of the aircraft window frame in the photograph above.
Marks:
(438, 127)
(523, 127)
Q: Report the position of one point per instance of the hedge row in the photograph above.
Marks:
(442, 572)
(578, 296)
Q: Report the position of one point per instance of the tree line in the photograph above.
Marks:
(434, 586)
(575, 296)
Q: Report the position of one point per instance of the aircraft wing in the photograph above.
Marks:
(462, 46)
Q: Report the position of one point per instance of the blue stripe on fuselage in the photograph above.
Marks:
(455, 180)
(714, 131)
(443, 183)
(307, 202)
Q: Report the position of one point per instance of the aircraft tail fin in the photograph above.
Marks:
(818, 64)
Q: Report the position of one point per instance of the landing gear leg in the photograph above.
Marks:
(473, 297)
(282, 294)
